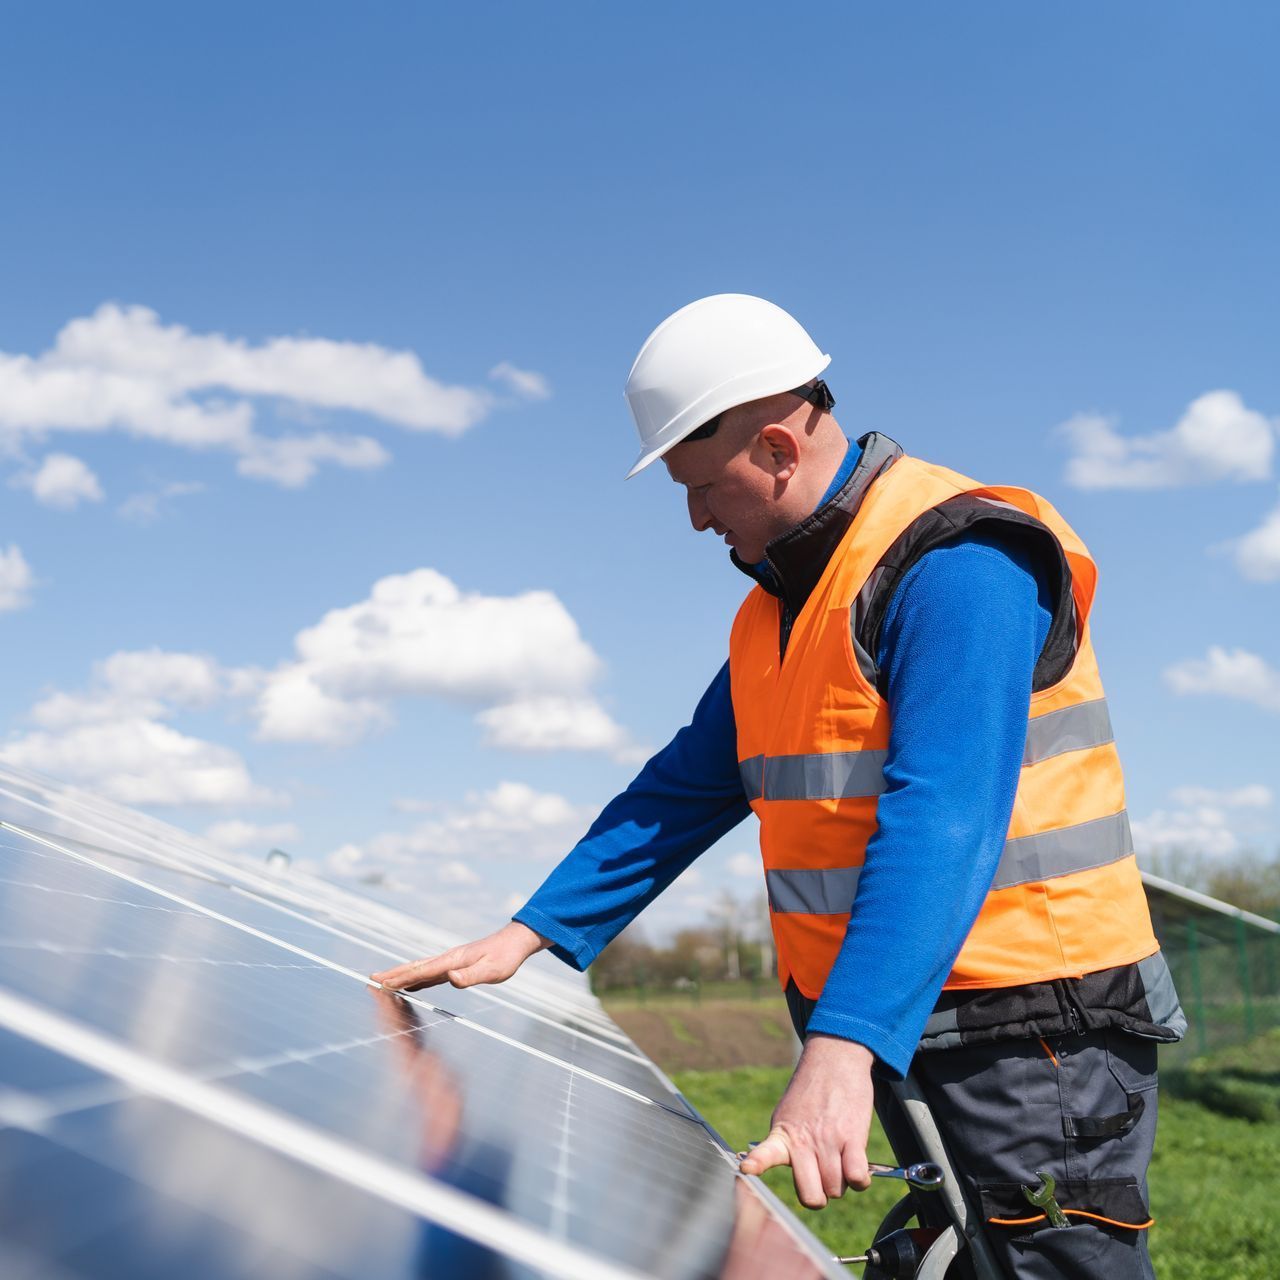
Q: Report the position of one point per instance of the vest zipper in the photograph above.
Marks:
(1073, 1011)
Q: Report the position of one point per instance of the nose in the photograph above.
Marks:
(699, 515)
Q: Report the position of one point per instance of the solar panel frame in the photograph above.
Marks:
(597, 1087)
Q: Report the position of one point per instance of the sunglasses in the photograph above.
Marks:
(819, 394)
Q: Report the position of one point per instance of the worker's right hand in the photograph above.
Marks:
(820, 1126)
(491, 959)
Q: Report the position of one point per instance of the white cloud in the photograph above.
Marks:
(150, 505)
(293, 707)
(1217, 438)
(524, 382)
(238, 835)
(135, 683)
(123, 369)
(746, 865)
(1257, 554)
(112, 736)
(61, 481)
(1253, 796)
(291, 461)
(457, 873)
(1207, 820)
(16, 579)
(189, 679)
(552, 723)
(1201, 829)
(140, 761)
(510, 821)
(1230, 673)
(520, 658)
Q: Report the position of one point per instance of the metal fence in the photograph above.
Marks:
(1225, 963)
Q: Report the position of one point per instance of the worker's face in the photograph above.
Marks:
(733, 490)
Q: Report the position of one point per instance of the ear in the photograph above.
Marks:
(779, 450)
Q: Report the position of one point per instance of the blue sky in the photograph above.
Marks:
(421, 245)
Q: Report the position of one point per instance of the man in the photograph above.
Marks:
(912, 709)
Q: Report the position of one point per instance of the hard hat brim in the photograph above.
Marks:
(784, 378)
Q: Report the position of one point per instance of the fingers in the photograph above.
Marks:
(462, 967)
(419, 973)
(767, 1154)
(777, 1150)
(819, 1174)
(472, 974)
(830, 1173)
(854, 1167)
(808, 1179)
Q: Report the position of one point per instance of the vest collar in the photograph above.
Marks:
(793, 562)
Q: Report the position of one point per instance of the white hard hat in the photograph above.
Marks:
(714, 354)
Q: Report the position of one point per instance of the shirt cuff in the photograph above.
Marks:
(893, 1055)
(565, 944)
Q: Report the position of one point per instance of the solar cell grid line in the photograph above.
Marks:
(190, 904)
(684, 1144)
(104, 976)
(309, 955)
(134, 1218)
(434, 1200)
(650, 1136)
(396, 953)
(52, 1105)
(202, 856)
(116, 952)
(246, 1022)
(640, 1062)
(119, 953)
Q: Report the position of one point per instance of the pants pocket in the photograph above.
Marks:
(1114, 1204)
(1131, 1060)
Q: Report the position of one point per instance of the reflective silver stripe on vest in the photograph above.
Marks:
(752, 773)
(1064, 851)
(841, 775)
(1088, 724)
(825, 775)
(827, 891)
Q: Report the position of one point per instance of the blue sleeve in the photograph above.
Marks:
(680, 804)
(958, 651)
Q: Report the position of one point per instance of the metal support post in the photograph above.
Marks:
(967, 1219)
(1246, 986)
(1197, 989)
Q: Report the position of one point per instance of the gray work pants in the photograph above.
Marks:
(1007, 1110)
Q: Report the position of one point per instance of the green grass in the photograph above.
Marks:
(640, 997)
(1214, 1178)
(678, 1029)
(738, 1104)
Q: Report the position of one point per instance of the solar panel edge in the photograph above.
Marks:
(451, 1208)
(574, 999)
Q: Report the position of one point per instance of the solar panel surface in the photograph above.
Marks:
(197, 1078)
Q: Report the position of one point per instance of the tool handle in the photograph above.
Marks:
(924, 1176)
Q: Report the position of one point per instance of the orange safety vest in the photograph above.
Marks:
(813, 733)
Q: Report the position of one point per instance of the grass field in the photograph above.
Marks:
(1214, 1178)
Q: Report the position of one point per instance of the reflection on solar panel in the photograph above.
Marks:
(196, 1079)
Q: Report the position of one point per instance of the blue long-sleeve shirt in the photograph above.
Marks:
(958, 681)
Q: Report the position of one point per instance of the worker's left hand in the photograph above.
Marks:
(821, 1124)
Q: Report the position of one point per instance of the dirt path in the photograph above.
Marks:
(682, 1036)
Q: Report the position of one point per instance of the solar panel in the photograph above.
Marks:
(196, 1077)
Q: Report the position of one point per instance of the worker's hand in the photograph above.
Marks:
(491, 959)
(821, 1124)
